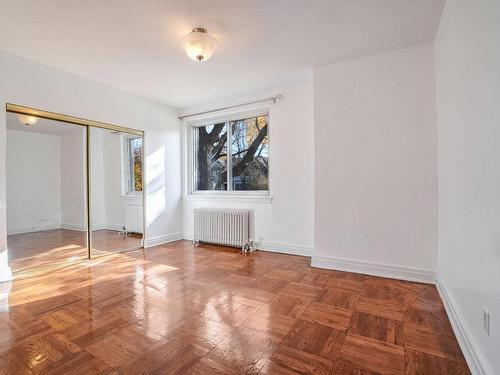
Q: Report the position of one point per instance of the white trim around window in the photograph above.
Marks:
(128, 191)
(254, 196)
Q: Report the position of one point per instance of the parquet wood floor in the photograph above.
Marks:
(180, 309)
(50, 250)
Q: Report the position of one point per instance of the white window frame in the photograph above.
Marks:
(193, 193)
(126, 160)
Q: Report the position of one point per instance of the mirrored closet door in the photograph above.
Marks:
(74, 189)
(117, 190)
(46, 193)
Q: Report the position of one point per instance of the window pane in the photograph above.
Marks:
(136, 164)
(211, 157)
(250, 154)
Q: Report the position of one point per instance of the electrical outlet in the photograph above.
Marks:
(486, 321)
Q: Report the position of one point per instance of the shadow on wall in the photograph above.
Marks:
(155, 185)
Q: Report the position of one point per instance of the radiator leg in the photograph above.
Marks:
(196, 243)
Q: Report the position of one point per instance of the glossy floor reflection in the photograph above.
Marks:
(46, 251)
(180, 309)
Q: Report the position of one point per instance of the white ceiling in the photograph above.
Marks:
(135, 45)
(42, 126)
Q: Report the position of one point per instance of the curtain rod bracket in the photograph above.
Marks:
(274, 99)
(277, 97)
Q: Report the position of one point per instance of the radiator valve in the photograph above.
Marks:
(249, 247)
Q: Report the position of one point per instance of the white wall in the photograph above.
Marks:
(46, 181)
(36, 85)
(29, 160)
(468, 87)
(34, 181)
(116, 200)
(98, 181)
(109, 203)
(73, 170)
(112, 171)
(375, 170)
(285, 224)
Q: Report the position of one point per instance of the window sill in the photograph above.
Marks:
(229, 198)
(134, 196)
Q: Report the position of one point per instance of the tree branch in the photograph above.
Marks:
(218, 148)
(251, 151)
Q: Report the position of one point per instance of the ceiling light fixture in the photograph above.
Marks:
(199, 45)
(27, 119)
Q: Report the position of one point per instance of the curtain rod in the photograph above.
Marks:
(272, 98)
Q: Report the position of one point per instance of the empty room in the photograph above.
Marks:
(250, 187)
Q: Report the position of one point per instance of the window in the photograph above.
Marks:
(232, 155)
(133, 164)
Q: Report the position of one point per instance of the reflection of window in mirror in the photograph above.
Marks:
(132, 164)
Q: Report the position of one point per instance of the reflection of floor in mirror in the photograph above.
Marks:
(104, 241)
(55, 248)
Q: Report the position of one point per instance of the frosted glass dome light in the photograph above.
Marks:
(27, 119)
(199, 45)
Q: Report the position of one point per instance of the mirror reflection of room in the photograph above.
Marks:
(45, 163)
(117, 191)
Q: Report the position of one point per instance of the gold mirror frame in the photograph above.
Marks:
(23, 110)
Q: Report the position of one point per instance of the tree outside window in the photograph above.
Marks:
(133, 164)
(233, 155)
